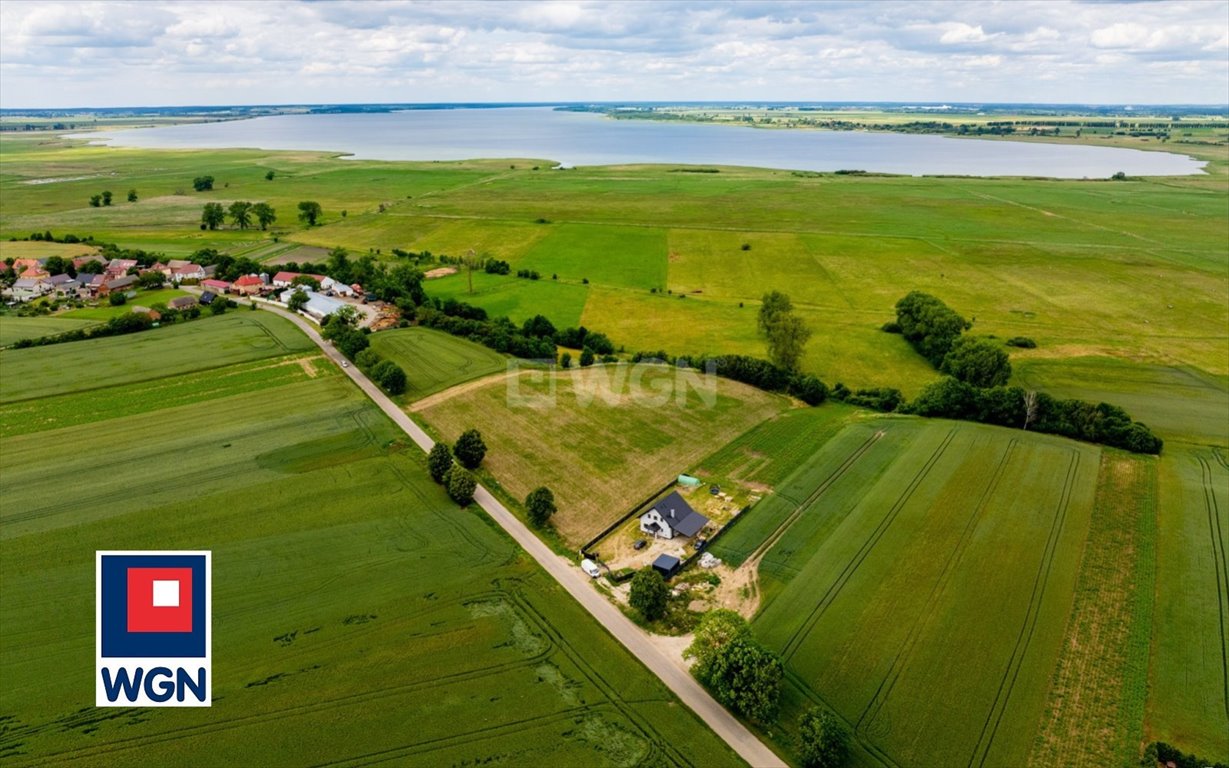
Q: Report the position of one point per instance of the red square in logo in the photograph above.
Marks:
(159, 599)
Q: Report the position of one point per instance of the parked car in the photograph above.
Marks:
(640, 544)
(591, 568)
(698, 544)
(345, 363)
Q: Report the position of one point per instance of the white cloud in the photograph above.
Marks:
(115, 53)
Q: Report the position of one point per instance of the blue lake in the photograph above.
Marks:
(580, 138)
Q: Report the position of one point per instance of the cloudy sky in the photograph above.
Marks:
(56, 54)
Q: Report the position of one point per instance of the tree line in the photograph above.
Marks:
(975, 387)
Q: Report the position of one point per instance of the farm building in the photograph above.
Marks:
(217, 286)
(318, 305)
(182, 302)
(207, 297)
(672, 516)
(120, 284)
(667, 565)
(187, 272)
(248, 285)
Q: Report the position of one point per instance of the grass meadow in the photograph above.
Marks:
(600, 439)
(434, 361)
(358, 615)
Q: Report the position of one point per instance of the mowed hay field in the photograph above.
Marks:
(601, 438)
(434, 361)
(358, 615)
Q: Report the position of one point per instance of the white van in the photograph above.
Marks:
(590, 567)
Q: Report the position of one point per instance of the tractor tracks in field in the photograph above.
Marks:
(998, 708)
(1220, 563)
(834, 590)
(752, 562)
(884, 691)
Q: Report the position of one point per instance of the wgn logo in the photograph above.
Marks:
(153, 633)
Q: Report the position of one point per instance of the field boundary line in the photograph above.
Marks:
(998, 707)
(880, 698)
(834, 590)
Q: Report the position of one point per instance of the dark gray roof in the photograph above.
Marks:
(666, 562)
(679, 515)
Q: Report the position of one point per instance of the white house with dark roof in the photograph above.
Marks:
(672, 516)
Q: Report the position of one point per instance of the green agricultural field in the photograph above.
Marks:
(1060, 261)
(1189, 682)
(358, 615)
(515, 297)
(198, 345)
(14, 329)
(912, 587)
(602, 438)
(434, 361)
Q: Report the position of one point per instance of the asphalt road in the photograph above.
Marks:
(669, 670)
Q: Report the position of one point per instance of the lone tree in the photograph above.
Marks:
(241, 214)
(586, 357)
(439, 461)
(106, 197)
(788, 335)
(470, 449)
(774, 303)
(716, 629)
(461, 486)
(213, 216)
(823, 741)
(648, 594)
(202, 183)
(132, 195)
(297, 301)
(310, 212)
(269, 175)
(541, 505)
(265, 214)
(95, 200)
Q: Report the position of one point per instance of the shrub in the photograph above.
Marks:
(1023, 342)
(586, 357)
(117, 299)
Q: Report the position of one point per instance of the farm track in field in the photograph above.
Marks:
(998, 707)
(1220, 562)
(431, 745)
(833, 591)
(884, 691)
